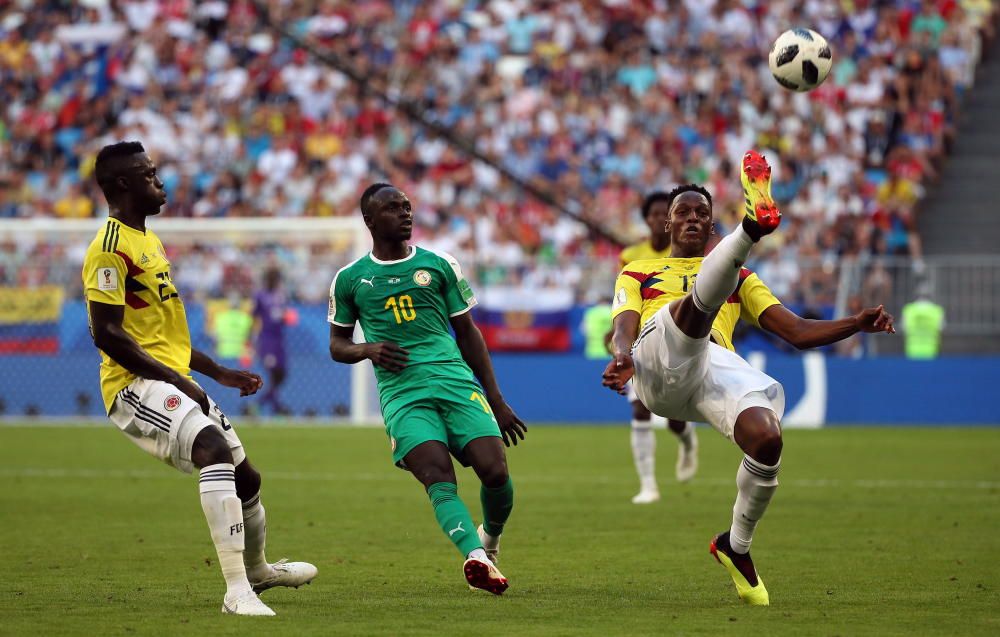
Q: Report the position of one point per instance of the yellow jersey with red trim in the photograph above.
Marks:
(125, 266)
(646, 286)
(640, 252)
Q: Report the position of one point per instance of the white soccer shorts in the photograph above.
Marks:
(683, 378)
(164, 421)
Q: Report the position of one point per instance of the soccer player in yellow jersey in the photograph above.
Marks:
(681, 360)
(138, 322)
(655, 212)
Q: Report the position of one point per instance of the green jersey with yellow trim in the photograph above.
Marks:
(408, 302)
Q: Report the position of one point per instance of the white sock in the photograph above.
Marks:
(255, 526)
(686, 435)
(224, 513)
(644, 454)
(720, 271)
(756, 482)
(478, 554)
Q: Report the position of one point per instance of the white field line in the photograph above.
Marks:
(389, 475)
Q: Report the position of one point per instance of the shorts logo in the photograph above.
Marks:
(422, 278)
(172, 402)
(392, 441)
(107, 279)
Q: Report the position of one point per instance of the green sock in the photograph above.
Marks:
(497, 504)
(454, 517)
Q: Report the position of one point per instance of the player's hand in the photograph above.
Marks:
(387, 355)
(511, 427)
(193, 391)
(875, 319)
(247, 382)
(618, 372)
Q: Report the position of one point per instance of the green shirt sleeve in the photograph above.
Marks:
(458, 295)
(342, 310)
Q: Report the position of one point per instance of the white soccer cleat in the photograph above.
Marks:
(646, 496)
(246, 604)
(484, 575)
(285, 573)
(687, 459)
(490, 544)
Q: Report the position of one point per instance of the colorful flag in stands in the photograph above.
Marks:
(29, 320)
(518, 320)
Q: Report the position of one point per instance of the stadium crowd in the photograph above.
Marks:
(596, 102)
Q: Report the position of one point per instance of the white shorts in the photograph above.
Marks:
(164, 421)
(685, 378)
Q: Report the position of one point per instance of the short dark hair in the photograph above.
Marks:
(651, 198)
(679, 190)
(366, 196)
(105, 167)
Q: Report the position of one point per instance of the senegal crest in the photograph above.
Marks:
(422, 278)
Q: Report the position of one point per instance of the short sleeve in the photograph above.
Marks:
(458, 295)
(755, 297)
(104, 278)
(342, 310)
(628, 295)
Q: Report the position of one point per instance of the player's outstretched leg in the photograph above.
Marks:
(687, 450)
(496, 494)
(720, 270)
(261, 574)
(643, 440)
(758, 433)
(430, 463)
(224, 513)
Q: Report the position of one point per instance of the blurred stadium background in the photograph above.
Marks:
(526, 134)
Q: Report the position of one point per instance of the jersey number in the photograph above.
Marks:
(165, 277)
(476, 397)
(685, 277)
(402, 308)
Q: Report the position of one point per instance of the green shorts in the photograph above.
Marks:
(455, 414)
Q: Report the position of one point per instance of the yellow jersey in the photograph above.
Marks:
(646, 286)
(640, 252)
(125, 266)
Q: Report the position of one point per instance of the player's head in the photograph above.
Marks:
(387, 212)
(656, 212)
(690, 220)
(272, 278)
(128, 178)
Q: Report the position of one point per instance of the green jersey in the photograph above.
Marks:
(408, 302)
(922, 324)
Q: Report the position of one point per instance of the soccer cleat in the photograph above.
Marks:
(752, 594)
(246, 604)
(490, 544)
(687, 459)
(485, 576)
(285, 573)
(646, 496)
(760, 207)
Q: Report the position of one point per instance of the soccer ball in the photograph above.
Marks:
(800, 59)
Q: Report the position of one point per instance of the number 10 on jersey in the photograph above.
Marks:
(402, 308)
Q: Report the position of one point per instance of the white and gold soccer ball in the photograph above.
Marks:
(800, 59)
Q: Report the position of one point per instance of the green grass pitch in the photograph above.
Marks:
(874, 531)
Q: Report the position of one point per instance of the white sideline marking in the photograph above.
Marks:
(298, 476)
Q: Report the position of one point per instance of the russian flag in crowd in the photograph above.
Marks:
(515, 320)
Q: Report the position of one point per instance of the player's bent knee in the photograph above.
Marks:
(248, 481)
(495, 475)
(210, 447)
(640, 413)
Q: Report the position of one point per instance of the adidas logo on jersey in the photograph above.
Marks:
(144, 259)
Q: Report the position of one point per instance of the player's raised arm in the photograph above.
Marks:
(620, 370)
(477, 357)
(808, 333)
(112, 339)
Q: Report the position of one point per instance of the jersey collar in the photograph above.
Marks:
(413, 253)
